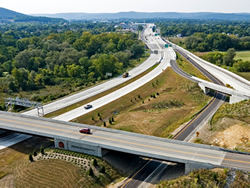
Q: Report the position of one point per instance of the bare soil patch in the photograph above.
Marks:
(229, 133)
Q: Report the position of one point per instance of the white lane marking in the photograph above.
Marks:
(145, 181)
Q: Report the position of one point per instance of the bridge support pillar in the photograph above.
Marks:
(205, 90)
(189, 167)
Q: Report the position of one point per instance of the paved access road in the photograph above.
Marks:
(72, 99)
(137, 144)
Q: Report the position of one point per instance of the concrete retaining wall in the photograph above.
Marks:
(189, 167)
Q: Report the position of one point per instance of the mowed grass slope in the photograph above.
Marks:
(159, 116)
(198, 178)
(189, 68)
(17, 171)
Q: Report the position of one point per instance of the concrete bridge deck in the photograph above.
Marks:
(67, 135)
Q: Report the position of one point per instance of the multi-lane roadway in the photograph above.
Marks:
(69, 100)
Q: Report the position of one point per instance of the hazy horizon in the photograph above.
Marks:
(112, 6)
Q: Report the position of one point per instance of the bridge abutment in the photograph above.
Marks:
(234, 99)
(191, 166)
(81, 147)
(205, 90)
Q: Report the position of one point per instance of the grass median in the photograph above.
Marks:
(83, 102)
(157, 108)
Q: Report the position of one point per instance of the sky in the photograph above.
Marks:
(111, 6)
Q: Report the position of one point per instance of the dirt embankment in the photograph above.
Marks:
(227, 133)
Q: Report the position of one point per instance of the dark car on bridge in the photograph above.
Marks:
(85, 130)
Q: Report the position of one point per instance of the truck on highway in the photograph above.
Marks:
(125, 75)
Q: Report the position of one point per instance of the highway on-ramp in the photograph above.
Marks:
(225, 76)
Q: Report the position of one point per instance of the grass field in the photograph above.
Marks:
(17, 171)
(244, 55)
(138, 112)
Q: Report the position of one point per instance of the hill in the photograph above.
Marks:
(7, 16)
(144, 15)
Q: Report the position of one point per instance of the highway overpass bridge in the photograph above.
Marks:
(66, 135)
(235, 95)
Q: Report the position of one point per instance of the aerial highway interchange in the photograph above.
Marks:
(222, 77)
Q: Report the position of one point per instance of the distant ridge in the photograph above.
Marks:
(144, 15)
(7, 16)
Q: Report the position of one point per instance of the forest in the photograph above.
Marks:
(33, 56)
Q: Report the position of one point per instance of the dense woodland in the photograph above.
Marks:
(33, 56)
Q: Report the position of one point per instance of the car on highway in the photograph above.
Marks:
(88, 106)
(85, 130)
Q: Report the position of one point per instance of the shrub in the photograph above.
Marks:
(90, 172)
(94, 163)
(30, 158)
(42, 150)
(34, 153)
(110, 121)
(102, 169)
(104, 124)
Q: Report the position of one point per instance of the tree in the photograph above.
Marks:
(140, 27)
(228, 59)
(137, 50)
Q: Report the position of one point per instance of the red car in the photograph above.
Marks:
(85, 130)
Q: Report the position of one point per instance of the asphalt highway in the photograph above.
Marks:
(188, 129)
(72, 99)
(168, 55)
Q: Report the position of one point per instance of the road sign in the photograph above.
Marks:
(166, 45)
